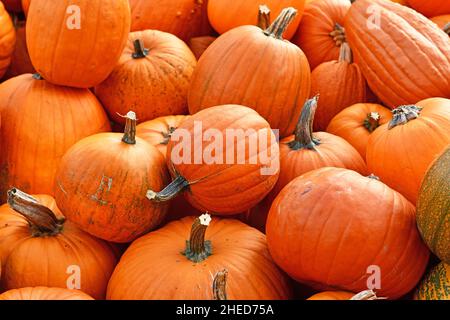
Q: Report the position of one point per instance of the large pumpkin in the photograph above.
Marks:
(320, 33)
(435, 285)
(249, 67)
(37, 248)
(186, 265)
(152, 77)
(403, 55)
(433, 207)
(183, 18)
(7, 40)
(44, 293)
(40, 121)
(77, 43)
(356, 123)
(233, 168)
(400, 152)
(346, 232)
(430, 8)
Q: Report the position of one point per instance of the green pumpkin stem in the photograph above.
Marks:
(338, 34)
(263, 17)
(169, 192)
(304, 138)
(139, 50)
(447, 28)
(403, 114)
(281, 23)
(372, 121)
(220, 285)
(197, 249)
(129, 135)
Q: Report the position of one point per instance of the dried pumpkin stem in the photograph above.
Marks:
(447, 28)
(304, 138)
(281, 23)
(37, 76)
(372, 121)
(139, 50)
(169, 192)
(220, 285)
(41, 219)
(366, 295)
(338, 34)
(129, 135)
(263, 17)
(167, 135)
(345, 53)
(197, 249)
(403, 114)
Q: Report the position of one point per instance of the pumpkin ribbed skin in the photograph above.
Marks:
(77, 57)
(154, 85)
(321, 231)
(7, 40)
(40, 122)
(240, 249)
(430, 8)
(313, 34)
(332, 295)
(435, 285)
(401, 156)
(44, 293)
(423, 70)
(199, 45)
(433, 207)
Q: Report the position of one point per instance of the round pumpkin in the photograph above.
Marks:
(7, 40)
(320, 33)
(346, 232)
(40, 122)
(44, 293)
(38, 248)
(400, 152)
(340, 84)
(187, 264)
(247, 66)
(83, 41)
(13, 5)
(233, 169)
(356, 124)
(199, 45)
(433, 207)
(430, 8)
(435, 285)
(404, 57)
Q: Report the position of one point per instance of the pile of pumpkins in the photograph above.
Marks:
(352, 202)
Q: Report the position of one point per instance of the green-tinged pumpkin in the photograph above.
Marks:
(435, 285)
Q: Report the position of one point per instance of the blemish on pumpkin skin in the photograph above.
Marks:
(308, 189)
(61, 188)
(98, 195)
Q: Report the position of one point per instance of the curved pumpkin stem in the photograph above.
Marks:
(372, 121)
(220, 285)
(304, 132)
(41, 219)
(447, 28)
(345, 53)
(139, 50)
(366, 295)
(129, 135)
(197, 249)
(281, 23)
(338, 34)
(403, 114)
(263, 17)
(169, 192)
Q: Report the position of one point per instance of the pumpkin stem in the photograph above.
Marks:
(41, 219)
(403, 114)
(447, 28)
(129, 135)
(139, 50)
(338, 34)
(304, 138)
(169, 192)
(366, 295)
(263, 17)
(281, 23)
(372, 121)
(167, 135)
(197, 249)
(37, 76)
(345, 53)
(220, 285)
(374, 177)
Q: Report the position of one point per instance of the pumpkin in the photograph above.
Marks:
(343, 295)
(433, 207)
(183, 18)
(247, 66)
(435, 285)
(356, 124)
(38, 248)
(430, 8)
(44, 293)
(320, 33)
(41, 121)
(340, 84)
(7, 40)
(327, 218)
(442, 21)
(405, 58)
(235, 167)
(13, 5)
(26, 6)
(199, 45)
(187, 266)
(152, 77)
(400, 152)
(102, 183)
(226, 15)
(82, 42)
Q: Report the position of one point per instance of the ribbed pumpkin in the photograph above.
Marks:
(320, 33)
(433, 207)
(83, 40)
(44, 293)
(328, 226)
(249, 67)
(199, 45)
(7, 40)
(356, 123)
(405, 59)
(102, 183)
(430, 8)
(13, 5)
(183, 18)
(400, 152)
(340, 84)
(435, 285)
(152, 77)
(40, 122)
(37, 248)
(186, 265)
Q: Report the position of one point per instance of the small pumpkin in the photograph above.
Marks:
(199, 45)
(7, 40)
(187, 266)
(435, 285)
(430, 8)
(400, 152)
(152, 77)
(344, 295)
(102, 182)
(44, 293)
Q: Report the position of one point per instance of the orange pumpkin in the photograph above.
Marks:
(7, 40)
(247, 66)
(327, 218)
(37, 248)
(356, 124)
(199, 45)
(44, 293)
(442, 20)
(82, 42)
(344, 295)
(40, 122)
(430, 8)
(400, 152)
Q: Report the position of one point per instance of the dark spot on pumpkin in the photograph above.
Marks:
(308, 189)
